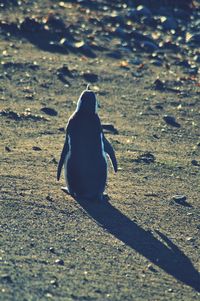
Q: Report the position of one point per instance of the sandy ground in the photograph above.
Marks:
(143, 244)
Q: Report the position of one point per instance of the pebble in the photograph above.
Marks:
(49, 111)
(157, 63)
(59, 262)
(90, 77)
(181, 200)
(36, 148)
(22, 116)
(145, 158)
(51, 249)
(8, 149)
(6, 279)
(193, 38)
(159, 84)
(171, 121)
(54, 282)
(65, 71)
(195, 163)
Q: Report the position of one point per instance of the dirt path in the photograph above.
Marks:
(144, 243)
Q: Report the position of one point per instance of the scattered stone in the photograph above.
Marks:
(181, 200)
(54, 161)
(145, 158)
(59, 262)
(90, 77)
(152, 269)
(8, 149)
(54, 282)
(85, 49)
(23, 116)
(195, 163)
(52, 250)
(109, 128)
(157, 63)
(171, 121)
(36, 148)
(20, 66)
(193, 38)
(62, 78)
(65, 71)
(6, 279)
(159, 85)
(49, 111)
(29, 96)
(61, 129)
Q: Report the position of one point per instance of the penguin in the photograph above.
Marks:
(85, 150)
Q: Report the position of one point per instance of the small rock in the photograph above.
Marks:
(49, 198)
(159, 85)
(54, 282)
(23, 116)
(36, 148)
(171, 121)
(59, 262)
(29, 96)
(49, 111)
(157, 63)
(85, 49)
(90, 77)
(152, 269)
(54, 161)
(10, 114)
(6, 279)
(61, 129)
(52, 250)
(8, 149)
(193, 38)
(181, 200)
(65, 71)
(195, 163)
(145, 158)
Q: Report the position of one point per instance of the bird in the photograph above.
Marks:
(85, 151)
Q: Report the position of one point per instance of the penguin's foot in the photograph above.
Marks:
(105, 197)
(66, 190)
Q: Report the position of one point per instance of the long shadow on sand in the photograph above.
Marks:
(168, 257)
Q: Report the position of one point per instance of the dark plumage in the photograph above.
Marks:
(84, 151)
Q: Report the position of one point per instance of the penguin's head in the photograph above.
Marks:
(87, 102)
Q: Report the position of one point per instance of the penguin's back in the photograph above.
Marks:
(86, 166)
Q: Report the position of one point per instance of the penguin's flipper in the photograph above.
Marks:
(62, 159)
(110, 151)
